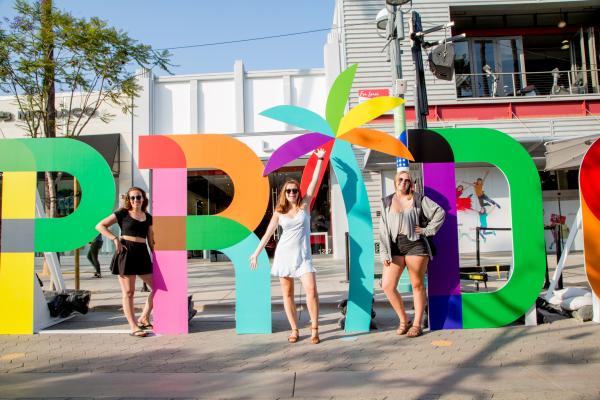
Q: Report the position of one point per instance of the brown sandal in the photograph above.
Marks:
(414, 331)
(293, 338)
(403, 328)
(315, 339)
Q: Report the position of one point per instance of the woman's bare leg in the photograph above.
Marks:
(127, 283)
(389, 283)
(417, 266)
(287, 291)
(145, 317)
(309, 283)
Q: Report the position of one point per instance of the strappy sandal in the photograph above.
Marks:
(403, 328)
(315, 339)
(138, 334)
(145, 325)
(293, 338)
(414, 331)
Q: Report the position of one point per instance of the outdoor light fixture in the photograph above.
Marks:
(397, 2)
(563, 21)
(382, 18)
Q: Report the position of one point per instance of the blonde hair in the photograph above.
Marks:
(283, 205)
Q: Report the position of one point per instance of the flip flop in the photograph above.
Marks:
(139, 334)
(145, 326)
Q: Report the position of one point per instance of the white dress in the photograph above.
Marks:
(292, 255)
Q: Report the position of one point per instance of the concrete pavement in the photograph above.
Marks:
(75, 360)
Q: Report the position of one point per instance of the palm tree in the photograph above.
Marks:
(336, 133)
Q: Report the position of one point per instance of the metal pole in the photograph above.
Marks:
(75, 204)
(396, 33)
(559, 247)
(477, 230)
(421, 105)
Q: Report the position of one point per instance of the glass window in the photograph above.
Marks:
(483, 56)
(462, 69)
(488, 67)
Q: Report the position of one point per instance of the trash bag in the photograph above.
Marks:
(79, 300)
(57, 305)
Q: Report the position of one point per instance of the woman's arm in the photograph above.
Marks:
(150, 238)
(384, 238)
(263, 242)
(312, 186)
(103, 226)
(434, 214)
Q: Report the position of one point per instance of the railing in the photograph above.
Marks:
(545, 83)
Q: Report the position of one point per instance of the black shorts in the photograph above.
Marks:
(405, 247)
(133, 260)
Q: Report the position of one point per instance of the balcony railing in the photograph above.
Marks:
(545, 83)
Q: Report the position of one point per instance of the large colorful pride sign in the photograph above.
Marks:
(170, 156)
(230, 232)
(439, 150)
(23, 234)
(589, 176)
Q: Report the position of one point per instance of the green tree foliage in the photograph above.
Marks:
(43, 50)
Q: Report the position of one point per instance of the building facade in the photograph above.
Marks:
(526, 68)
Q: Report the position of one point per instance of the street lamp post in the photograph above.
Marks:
(394, 26)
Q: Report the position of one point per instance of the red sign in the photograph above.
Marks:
(370, 93)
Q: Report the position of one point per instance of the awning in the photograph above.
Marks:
(108, 145)
(567, 153)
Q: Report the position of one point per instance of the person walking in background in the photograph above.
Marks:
(131, 256)
(293, 254)
(407, 219)
(92, 255)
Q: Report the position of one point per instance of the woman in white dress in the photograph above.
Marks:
(292, 256)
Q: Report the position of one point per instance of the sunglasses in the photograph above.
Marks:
(294, 191)
(400, 180)
(137, 197)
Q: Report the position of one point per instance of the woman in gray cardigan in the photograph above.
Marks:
(407, 218)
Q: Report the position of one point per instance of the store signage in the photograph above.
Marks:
(366, 94)
(76, 112)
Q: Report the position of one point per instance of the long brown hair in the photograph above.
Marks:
(127, 204)
(412, 183)
(283, 205)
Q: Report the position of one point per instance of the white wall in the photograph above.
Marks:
(172, 108)
(216, 106)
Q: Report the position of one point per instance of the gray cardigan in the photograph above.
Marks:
(434, 214)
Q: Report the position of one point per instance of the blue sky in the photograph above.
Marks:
(163, 24)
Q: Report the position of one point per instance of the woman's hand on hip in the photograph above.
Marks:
(118, 245)
(387, 263)
(418, 230)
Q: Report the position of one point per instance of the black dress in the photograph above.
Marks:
(134, 259)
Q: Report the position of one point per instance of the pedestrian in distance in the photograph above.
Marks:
(293, 253)
(92, 254)
(131, 256)
(407, 220)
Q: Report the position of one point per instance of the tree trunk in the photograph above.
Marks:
(47, 35)
(49, 68)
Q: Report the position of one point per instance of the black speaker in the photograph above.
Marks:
(441, 61)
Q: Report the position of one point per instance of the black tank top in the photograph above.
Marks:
(131, 226)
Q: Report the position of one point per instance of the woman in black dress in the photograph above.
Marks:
(131, 257)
